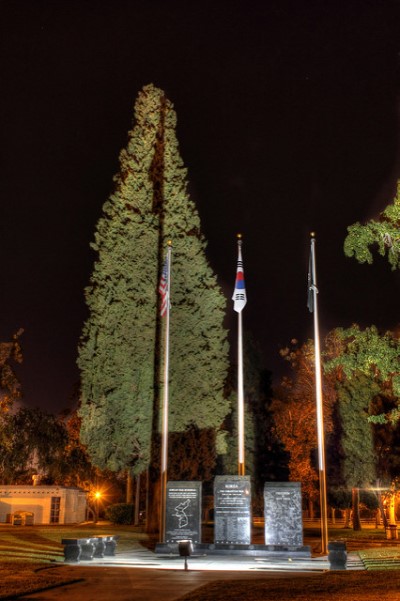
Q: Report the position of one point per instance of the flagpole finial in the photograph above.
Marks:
(312, 234)
(169, 242)
(239, 236)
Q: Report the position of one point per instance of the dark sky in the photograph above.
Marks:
(287, 122)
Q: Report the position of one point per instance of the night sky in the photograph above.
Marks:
(287, 123)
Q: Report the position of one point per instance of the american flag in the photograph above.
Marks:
(163, 288)
(239, 295)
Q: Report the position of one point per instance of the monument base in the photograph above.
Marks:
(276, 551)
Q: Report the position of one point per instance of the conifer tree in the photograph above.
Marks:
(119, 355)
(361, 360)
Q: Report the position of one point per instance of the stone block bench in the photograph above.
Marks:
(84, 549)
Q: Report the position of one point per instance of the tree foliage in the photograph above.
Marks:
(355, 395)
(10, 388)
(294, 410)
(36, 444)
(119, 355)
(356, 351)
(382, 234)
(386, 438)
(360, 392)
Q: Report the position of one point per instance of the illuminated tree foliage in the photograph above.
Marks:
(368, 352)
(36, 444)
(360, 377)
(386, 437)
(355, 355)
(10, 388)
(294, 411)
(384, 234)
(119, 355)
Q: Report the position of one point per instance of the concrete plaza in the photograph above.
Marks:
(142, 576)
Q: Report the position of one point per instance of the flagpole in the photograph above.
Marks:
(320, 416)
(241, 464)
(164, 431)
(239, 306)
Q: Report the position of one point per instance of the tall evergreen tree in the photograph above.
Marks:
(199, 350)
(360, 359)
(119, 355)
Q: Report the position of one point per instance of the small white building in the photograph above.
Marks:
(27, 505)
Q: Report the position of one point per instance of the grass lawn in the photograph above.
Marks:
(28, 554)
(331, 586)
(19, 576)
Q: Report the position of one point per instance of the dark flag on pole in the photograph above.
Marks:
(311, 280)
(310, 285)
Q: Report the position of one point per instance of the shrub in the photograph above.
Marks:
(120, 513)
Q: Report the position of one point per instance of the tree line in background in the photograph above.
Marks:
(115, 432)
(362, 432)
(361, 391)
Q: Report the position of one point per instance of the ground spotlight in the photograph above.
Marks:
(185, 548)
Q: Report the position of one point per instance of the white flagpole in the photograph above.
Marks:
(320, 415)
(239, 298)
(241, 463)
(164, 432)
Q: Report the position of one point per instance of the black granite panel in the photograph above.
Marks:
(232, 510)
(283, 514)
(183, 511)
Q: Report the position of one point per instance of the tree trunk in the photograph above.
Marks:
(355, 499)
(381, 508)
(392, 513)
(153, 515)
(333, 514)
(137, 501)
(311, 509)
(129, 487)
(347, 513)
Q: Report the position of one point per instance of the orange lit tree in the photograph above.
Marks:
(294, 411)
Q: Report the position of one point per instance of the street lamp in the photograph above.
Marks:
(97, 497)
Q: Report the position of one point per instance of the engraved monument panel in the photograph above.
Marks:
(183, 512)
(283, 514)
(232, 510)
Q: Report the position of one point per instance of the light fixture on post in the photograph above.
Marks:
(185, 548)
(97, 497)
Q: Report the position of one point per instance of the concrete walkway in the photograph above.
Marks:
(142, 576)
